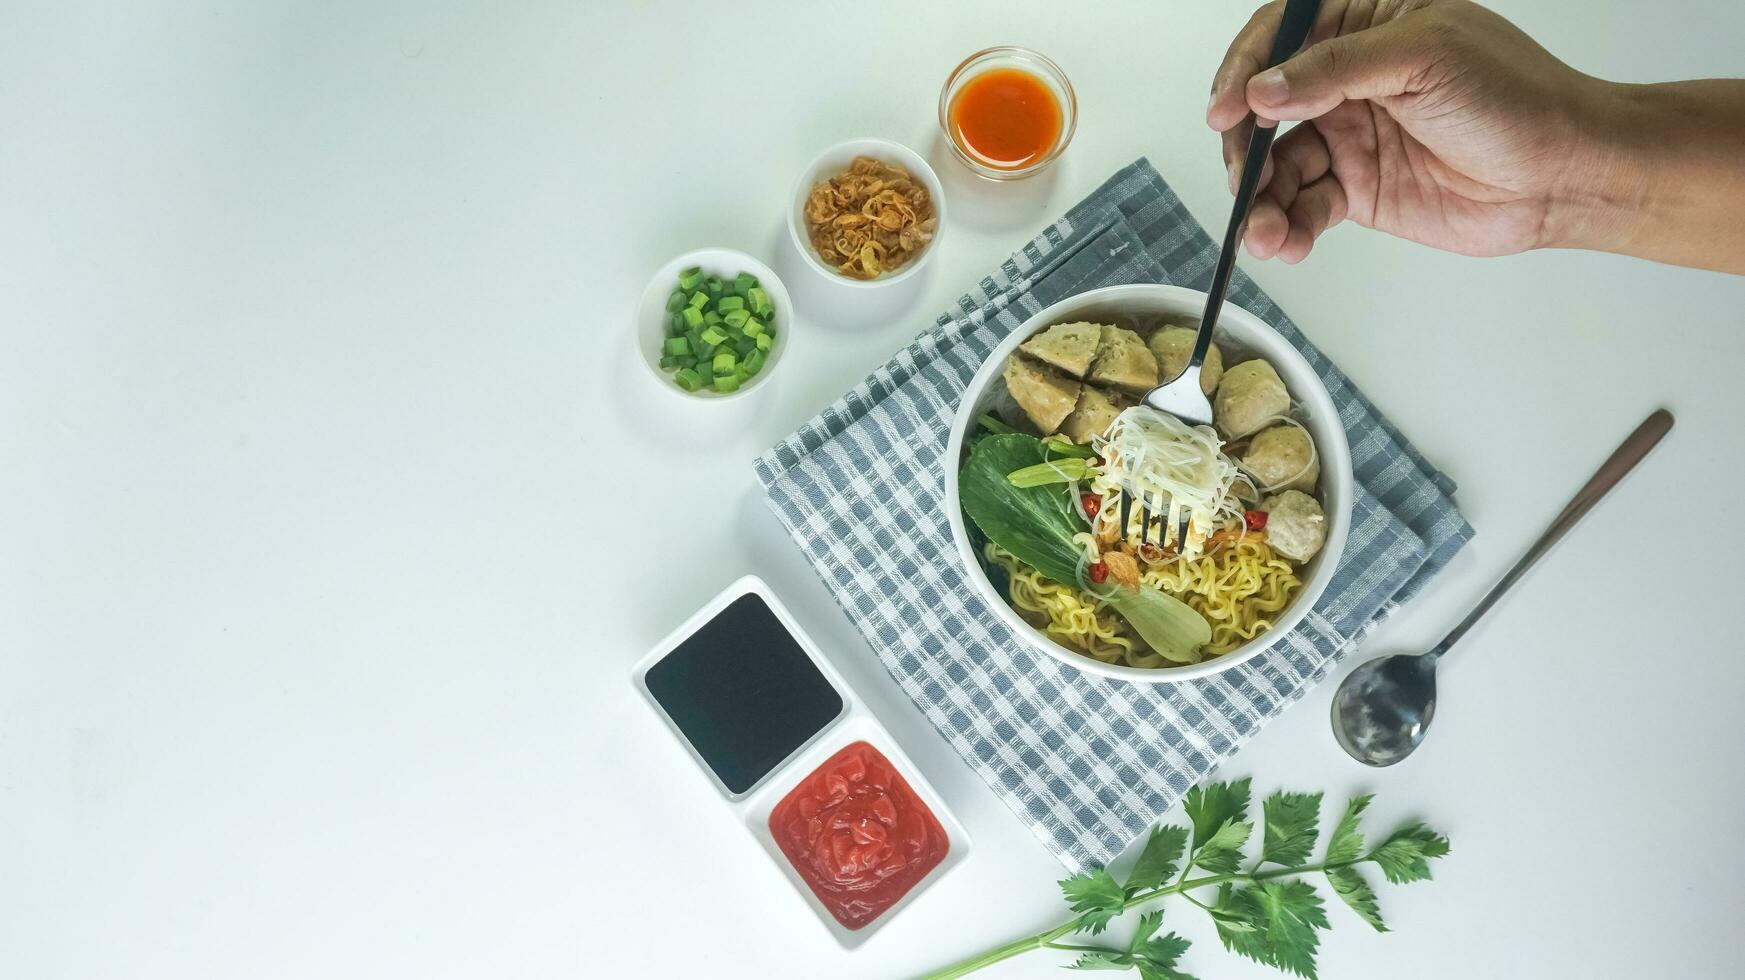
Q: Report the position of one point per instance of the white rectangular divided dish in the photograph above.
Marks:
(854, 723)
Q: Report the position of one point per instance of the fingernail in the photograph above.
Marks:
(1270, 86)
(1230, 176)
(1211, 100)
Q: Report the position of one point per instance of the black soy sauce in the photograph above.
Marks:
(743, 693)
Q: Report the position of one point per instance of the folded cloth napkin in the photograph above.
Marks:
(1086, 763)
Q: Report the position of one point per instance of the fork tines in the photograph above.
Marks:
(1146, 517)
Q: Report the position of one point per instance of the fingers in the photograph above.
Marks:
(1302, 200)
(1246, 56)
(1236, 150)
(1370, 64)
(1318, 207)
(1298, 157)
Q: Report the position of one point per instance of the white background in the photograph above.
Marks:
(334, 506)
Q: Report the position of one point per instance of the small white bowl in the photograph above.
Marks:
(834, 161)
(1241, 334)
(651, 316)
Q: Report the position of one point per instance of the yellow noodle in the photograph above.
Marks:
(1065, 613)
(1238, 589)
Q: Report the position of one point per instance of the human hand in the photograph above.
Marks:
(1434, 120)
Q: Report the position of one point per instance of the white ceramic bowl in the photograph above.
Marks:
(835, 160)
(651, 316)
(1242, 336)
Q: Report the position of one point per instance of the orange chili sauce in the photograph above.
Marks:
(1005, 118)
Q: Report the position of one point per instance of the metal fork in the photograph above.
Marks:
(1181, 396)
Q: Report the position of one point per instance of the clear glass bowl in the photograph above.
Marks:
(1023, 59)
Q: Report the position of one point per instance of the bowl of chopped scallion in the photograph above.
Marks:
(713, 323)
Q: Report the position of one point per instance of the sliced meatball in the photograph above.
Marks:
(1068, 346)
(1124, 361)
(1282, 457)
(1092, 416)
(1296, 527)
(1043, 395)
(1172, 346)
(1249, 396)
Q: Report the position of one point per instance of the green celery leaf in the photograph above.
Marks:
(1350, 886)
(1212, 805)
(1158, 862)
(1222, 852)
(1290, 828)
(1346, 844)
(1148, 971)
(1104, 960)
(1241, 925)
(1292, 912)
(1148, 924)
(1404, 855)
(1163, 951)
(1095, 896)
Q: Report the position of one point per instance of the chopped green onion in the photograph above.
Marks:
(719, 330)
(1061, 448)
(994, 425)
(1057, 471)
(760, 303)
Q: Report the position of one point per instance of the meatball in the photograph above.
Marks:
(1172, 346)
(1096, 410)
(1283, 458)
(1249, 396)
(1296, 527)
(1068, 346)
(1124, 361)
(1045, 396)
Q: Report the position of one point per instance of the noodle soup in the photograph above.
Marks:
(1051, 432)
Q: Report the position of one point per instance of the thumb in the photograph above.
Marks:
(1369, 64)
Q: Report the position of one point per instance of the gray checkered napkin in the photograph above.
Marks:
(1086, 763)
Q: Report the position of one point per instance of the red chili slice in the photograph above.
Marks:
(1092, 503)
(1099, 573)
(1255, 519)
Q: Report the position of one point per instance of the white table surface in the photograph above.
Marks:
(334, 507)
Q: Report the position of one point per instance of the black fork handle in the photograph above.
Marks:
(1293, 29)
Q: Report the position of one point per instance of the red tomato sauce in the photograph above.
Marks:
(857, 834)
(1006, 118)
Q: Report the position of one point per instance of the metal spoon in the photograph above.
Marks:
(1383, 709)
